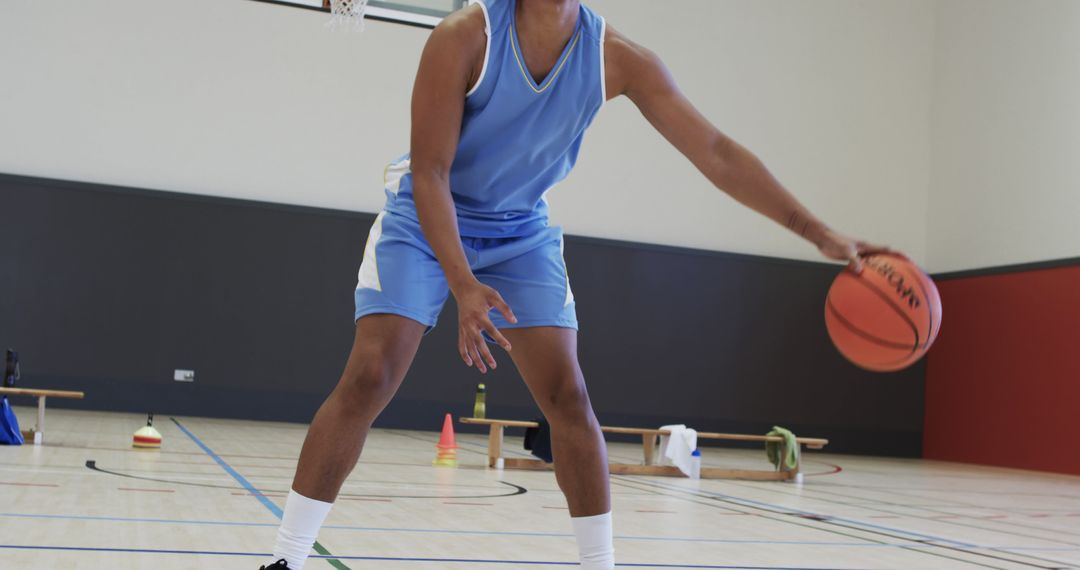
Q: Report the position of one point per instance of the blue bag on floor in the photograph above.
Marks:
(9, 425)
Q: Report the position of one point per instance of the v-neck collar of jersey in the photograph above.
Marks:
(553, 74)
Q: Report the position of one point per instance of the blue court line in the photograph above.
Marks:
(533, 534)
(318, 547)
(391, 559)
(462, 532)
(228, 469)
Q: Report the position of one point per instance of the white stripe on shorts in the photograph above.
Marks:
(569, 293)
(394, 173)
(368, 277)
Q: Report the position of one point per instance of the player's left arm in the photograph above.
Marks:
(638, 73)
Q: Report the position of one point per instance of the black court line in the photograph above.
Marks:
(960, 547)
(461, 443)
(928, 508)
(940, 512)
(263, 477)
(805, 490)
(990, 476)
(799, 522)
(517, 489)
(965, 491)
(969, 505)
(786, 515)
(928, 495)
(806, 522)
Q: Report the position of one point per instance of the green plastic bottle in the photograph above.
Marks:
(480, 409)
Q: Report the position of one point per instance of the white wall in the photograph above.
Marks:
(223, 97)
(244, 99)
(1006, 169)
(832, 95)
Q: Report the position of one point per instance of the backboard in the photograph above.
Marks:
(424, 13)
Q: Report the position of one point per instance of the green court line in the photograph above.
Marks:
(333, 561)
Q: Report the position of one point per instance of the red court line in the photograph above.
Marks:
(28, 484)
(833, 471)
(558, 508)
(146, 490)
(171, 452)
(368, 499)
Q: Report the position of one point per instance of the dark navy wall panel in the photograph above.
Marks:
(108, 290)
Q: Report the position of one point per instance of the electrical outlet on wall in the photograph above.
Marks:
(184, 375)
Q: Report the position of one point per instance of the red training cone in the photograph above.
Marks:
(447, 446)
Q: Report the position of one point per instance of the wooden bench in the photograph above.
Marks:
(649, 439)
(38, 433)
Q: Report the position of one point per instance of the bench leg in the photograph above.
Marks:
(495, 442)
(649, 443)
(39, 429)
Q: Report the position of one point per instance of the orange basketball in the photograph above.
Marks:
(886, 318)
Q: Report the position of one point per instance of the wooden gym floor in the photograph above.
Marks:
(206, 500)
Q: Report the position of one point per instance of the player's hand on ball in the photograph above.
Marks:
(475, 302)
(842, 248)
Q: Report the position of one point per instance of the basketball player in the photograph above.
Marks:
(503, 96)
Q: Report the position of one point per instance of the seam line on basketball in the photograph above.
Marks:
(865, 335)
(885, 296)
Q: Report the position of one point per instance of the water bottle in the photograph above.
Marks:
(480, 408)
(695, 464)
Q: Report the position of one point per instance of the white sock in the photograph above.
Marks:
(299, 528)
(595, 542)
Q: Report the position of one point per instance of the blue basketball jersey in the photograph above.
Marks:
(518, 137)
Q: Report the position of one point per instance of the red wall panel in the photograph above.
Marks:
(1003, 379)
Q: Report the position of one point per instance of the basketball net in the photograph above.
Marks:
(347, 14)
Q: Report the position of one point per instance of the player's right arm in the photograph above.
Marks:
(638, 73)
(450, 63)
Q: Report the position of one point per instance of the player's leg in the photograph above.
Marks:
(400, 293)
(547, 360)
(530, 274)
(382, 351)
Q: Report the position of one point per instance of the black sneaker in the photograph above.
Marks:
(279, 565)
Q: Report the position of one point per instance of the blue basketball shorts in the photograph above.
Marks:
(401, 276)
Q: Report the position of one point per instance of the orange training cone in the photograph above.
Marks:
(446, 456)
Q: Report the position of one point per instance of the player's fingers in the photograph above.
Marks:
(462, 350)
(485, 352)
(855, 264)
(470, 349)
(874, 249)
(866, 249)
(498, 302)
(496, 335)
(474, 352)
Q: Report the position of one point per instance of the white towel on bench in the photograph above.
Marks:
(676, 449)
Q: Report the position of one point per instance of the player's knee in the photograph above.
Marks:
(569, 403)
(371, 380)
